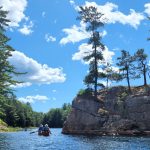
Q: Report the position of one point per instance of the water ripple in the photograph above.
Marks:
(57, 141)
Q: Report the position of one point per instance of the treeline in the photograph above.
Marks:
(57, 116)
(18, 114)
(129, 66)
(12, 111)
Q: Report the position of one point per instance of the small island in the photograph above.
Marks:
(104, 110)
(113, 113)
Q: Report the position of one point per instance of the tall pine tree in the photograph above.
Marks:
(6, 69)
(93, 20)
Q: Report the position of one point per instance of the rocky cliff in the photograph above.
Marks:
(115, 112)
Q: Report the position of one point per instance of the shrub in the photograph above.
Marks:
(87, 91)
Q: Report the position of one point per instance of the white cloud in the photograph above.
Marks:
(147, 8)
(116, 49)
(72, 2)
(21, 85)
(104, 33)
(113, 15)
(149, 63)
(16, 10)
(27, 29)
(49, 38)
(33, 99)
(86, 49)
(43, 14)
(16, 14)
(54, 91)
(36, 73)
(114, 69)
(75, 34)
(53, 98)
(105, 83)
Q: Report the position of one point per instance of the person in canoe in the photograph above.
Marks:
(46, 130)
(40, 130)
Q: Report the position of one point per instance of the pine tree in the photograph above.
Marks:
(6, 69)
(109, 74)
(127, 69)
(142, 67)
(93, 20)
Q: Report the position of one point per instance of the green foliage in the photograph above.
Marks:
(106, 73)
(6, 69)
(13, 112)
(132, 67)
(127, 68)
(122, 96)
(2, 123)
(3, 21)
(93, 19)
(92, 16)
(85, 92)
(56, 117)
(142, 65)
(18, 114)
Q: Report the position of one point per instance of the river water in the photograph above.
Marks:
(57, 141)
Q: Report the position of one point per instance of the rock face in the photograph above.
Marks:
(115, 113)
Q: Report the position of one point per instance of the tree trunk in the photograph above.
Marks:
(96, 73)
(144, 74)
(128, 81)
(107, 82)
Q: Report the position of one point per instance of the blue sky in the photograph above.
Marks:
(50, 44)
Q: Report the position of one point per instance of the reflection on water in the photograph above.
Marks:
(57, 141)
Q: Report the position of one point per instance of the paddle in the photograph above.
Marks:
(33, 132)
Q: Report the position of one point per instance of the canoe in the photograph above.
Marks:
(44, 133)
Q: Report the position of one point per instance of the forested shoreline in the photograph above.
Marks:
(13, 112)
(18, 114)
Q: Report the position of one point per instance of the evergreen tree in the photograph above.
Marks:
(109, 74)
(93, 20)
(3, 21)
(13, 112)
(57, 116)
(127, 69)
(142, 67)
(6, 69)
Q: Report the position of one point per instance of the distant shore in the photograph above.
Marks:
(5, 128)
(10, 129)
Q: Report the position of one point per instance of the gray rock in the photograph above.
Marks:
(119, 114)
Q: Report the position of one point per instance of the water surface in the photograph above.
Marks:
(57, 141)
